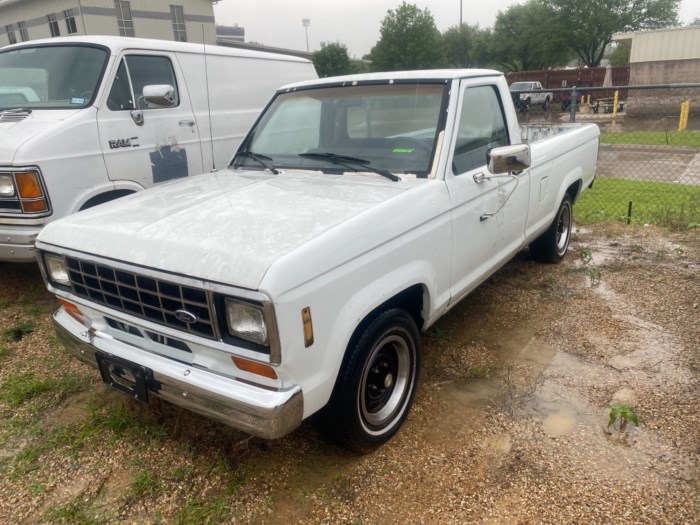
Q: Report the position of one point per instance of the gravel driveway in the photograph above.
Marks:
(510, 423)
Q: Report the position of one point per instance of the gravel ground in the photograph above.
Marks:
(510, 423)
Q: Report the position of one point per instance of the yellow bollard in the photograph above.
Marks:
(615, 103)
(683, 120)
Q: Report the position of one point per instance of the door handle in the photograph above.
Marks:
(188, 123)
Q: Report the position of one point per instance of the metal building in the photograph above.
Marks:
(188, 21)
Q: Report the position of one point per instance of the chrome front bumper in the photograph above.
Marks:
(17, 244)
(259, 411)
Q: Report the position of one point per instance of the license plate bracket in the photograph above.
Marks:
(124, 376)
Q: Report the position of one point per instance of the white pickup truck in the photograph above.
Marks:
(356, 212)
(526, 94)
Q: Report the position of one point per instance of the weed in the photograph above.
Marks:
(4, 352)
(17, 389)
(678, 250)
(24, 462)
(478, 372)
(181, 473)
(121, 420)
(441, 335)
(145, 484)
(623, 413)
(18, 331)
(74, 513)
(196, 512)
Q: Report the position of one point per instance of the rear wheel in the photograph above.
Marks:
(545, 104)
(377, 383)
(552, 245)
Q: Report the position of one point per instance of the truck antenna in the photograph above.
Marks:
(206, 82)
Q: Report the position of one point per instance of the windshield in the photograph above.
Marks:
(520, 86)
(55, 77)
(364, 128)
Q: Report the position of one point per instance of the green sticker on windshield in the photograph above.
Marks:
(403, 150)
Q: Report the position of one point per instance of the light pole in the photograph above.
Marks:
(306, 22)
(460, 13)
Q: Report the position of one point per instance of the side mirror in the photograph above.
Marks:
(506, 159)
(159, 94)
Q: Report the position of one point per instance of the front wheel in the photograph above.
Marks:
(377, 383)
(552, 245)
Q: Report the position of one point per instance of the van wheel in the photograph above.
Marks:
(545, 104)
(377, 383)
(552, 245)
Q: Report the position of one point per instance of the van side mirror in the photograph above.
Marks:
(506, 159)
(159, 94)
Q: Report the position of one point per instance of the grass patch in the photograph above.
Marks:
(196, 512)
(653, 138)
(18, 331)
(145, 484)
(75, 513)
(20, 388)
(674, 206)
(121, 420)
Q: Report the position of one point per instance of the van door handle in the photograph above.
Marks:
(188, 123)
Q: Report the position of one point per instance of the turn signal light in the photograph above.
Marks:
(254, 367)
(72, 310)
(28, 185)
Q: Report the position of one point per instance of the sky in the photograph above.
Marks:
(278, 23)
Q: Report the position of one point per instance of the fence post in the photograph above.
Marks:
(617, 92)
(572, 106)
(683, 120)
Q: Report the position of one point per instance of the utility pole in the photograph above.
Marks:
(306, 22)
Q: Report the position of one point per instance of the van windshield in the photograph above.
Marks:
(390, 128)
(51, 77)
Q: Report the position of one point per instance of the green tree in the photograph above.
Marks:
(618, 55)
(590, 24)
(331, 60)
(466, 46)
(527, 37)
(408, 40)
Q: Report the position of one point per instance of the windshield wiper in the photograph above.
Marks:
(263, 160)
(351, 162)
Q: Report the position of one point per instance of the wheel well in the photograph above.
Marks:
(105, 197)
(410, 300)
(574, 190)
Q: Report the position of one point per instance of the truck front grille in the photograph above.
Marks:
(149, 298)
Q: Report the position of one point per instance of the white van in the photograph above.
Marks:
(84, 120)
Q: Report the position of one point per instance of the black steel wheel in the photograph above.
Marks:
(377, 382)
(552, 245)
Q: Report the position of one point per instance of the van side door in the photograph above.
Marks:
(142, 142)
(489, 212)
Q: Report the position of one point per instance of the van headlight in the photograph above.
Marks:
(7, 186)
(246, 321)
(56, 269)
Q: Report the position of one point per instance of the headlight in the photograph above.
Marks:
(246, 321)
(57, 270)
(7, 186)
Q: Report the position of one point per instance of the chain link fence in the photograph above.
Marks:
(649, 157)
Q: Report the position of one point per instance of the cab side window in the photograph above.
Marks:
(135, 72)
(481, 127)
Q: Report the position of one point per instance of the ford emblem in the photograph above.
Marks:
(185, 316)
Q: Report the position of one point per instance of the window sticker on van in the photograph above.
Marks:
(76, 100)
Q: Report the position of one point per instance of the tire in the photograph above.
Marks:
(545, 104)
(525, 105)
(376, 384)
(551, 246)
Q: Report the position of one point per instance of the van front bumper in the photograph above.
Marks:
(17, 243)
(257, 410)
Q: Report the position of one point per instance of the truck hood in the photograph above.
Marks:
(223, 227)
(15, 133)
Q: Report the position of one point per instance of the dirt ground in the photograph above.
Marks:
(510, 423)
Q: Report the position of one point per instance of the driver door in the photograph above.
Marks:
(142, 142)
(489, 212)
